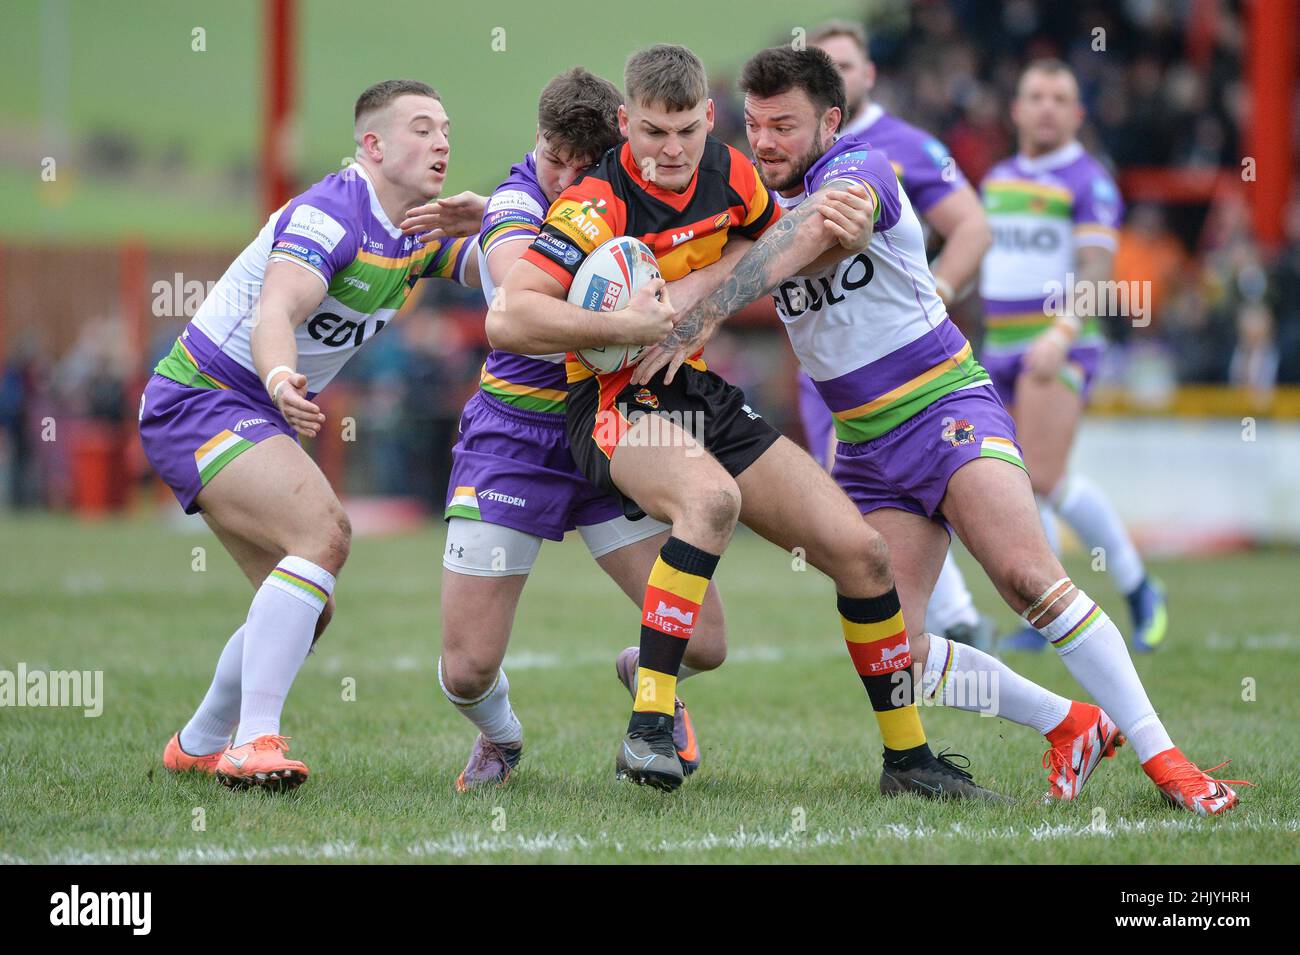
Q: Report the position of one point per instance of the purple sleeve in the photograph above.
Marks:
(315, 230)
(870, 168)
(1098, 210)
(928, 171)
(514, 211)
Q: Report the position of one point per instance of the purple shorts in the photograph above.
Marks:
(816, 418)
(513, 467)
(1079, 370)
(909, 467)
(189, 434)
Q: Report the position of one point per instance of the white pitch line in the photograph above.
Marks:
(468, 845)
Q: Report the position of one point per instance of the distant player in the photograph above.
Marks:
(513, 481)
(946, 203)
(925, 443)
(1055, 212)
(220, 418)
(703, 457)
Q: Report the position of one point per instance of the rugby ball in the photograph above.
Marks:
(606, 282)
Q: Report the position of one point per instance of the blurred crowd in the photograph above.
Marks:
(1162, 85)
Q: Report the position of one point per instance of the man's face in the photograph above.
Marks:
(667, 146)
(787, 136)
(557, 166)
(413, 136)
(859, 73)
(1046, 111)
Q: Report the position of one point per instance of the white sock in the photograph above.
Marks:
(1093, 650)
(277, 636)
(960, 676)
(1088, 510)
(950, 601)
(491, 712)
(1048, 516)
(209, 729)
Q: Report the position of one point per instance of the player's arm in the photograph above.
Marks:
(1093, 264)
(456, 217)
(290, 293)
(797, 242)
(959, 219)
(532, 316)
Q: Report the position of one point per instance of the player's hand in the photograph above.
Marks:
(456, 216)
(302, 415)
(689, 335)
(648, 317)
(1047, 354)
(848, 216)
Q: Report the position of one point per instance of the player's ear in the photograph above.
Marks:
(708, 116)
(622, 120)
(831, 121)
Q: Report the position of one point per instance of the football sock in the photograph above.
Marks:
(490, 711)
(685, 672)
(950, 601)
(960, 676)
(1093, 650)
(209, 729)
(673, 595)
(1088, 510)
(877, 642)
(277, 636)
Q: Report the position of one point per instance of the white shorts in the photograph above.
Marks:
(480, 549)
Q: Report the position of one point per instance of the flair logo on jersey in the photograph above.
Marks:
(958, 433)
(584, 221)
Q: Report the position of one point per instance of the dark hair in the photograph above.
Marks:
(834, 28)
(1047, 64)
(781, 69)
(578, 112)
(666, 75)
(381, 94)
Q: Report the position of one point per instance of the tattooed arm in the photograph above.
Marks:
(822, 229)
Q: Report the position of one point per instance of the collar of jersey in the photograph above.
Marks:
(873, 112)
(677, 200)
(1061, 156)
(376, 209)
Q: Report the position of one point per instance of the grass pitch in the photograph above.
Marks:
(791, 753)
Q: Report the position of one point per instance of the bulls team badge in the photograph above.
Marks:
(648, 398)
(959, 432)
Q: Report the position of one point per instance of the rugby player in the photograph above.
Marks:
(513, 481)
(946, 204)
(1055, 212)
(925, 443)
(221, 417)
(701, 457)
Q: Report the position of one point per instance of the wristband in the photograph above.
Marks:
(275, 371)
(944, 289)
(275, 393)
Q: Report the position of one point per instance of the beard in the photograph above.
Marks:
(800, 166)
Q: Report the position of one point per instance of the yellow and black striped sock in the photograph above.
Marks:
(672, 606)
(877, 641)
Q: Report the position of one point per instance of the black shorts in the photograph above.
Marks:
(601, 409)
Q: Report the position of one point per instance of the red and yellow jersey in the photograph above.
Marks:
(686, 230)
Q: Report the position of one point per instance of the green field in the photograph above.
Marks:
(75, 72)
(784, 726)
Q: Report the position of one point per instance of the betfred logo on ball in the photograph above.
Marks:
(606, 282)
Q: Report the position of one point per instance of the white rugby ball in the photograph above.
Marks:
(606, 282)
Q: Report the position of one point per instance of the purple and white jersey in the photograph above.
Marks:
(337, 231)
(873, 333)
(923, 165)
(516, 211)
(1042, 210)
